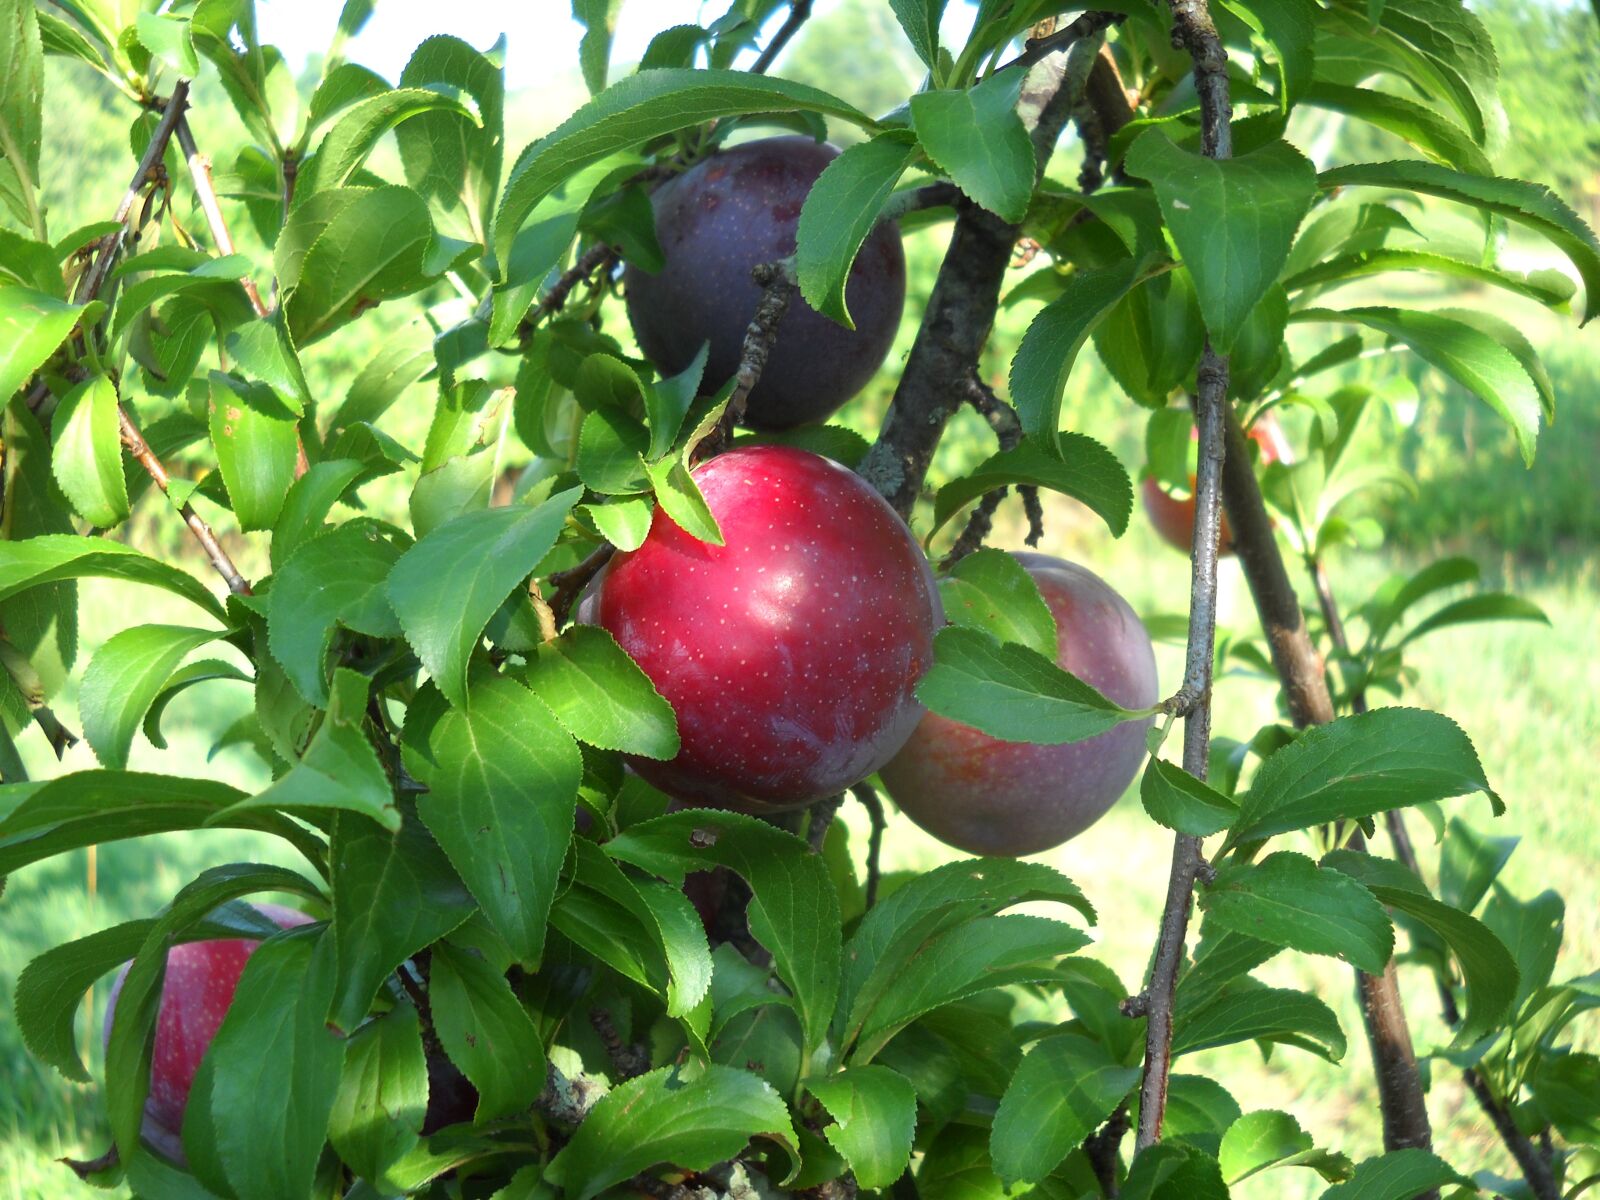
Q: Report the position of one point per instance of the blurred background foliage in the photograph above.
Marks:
(1528, 695)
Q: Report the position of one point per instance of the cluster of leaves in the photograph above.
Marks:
(449, 761)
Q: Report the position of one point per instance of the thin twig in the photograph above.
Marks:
(100, 270)
(1087, 25)
(1103, 1148)
(1007, 426)
(778, 284)
(140, 450)
(819, 818)
(567, 585)
(799, 10)
(628, 1061)
(205, 190)
(599, 257)
(918, 199)
(868, 796)
(1035, 512)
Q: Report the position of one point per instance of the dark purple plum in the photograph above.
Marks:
(729, 213)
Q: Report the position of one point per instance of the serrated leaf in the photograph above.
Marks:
(840, 211)
(1474, 359)
(635, 110)
(87, 457)
(1287, 900)
(1469, 862)
(1010, 692)
(1174, 1171)
(123, 679)
(449, 157)
(261, 352)
(32, 324)
(21, 124)
(1073, 464)
(668, 401)
(678, 496)
(362, 126)
(1261, 1013)
(624, 521)
(1488, 606)
(503, 787)
(611, 448)
(664, 1117)
(446, 587)
(1359, 766)
(920, 20)
(486, 1031)
(1550, 288)
(601, 695)
(990, 591)
(1529, 204)
(1056, 335)
(183, 678)
(1266, 1138)
(1288, 27)
(1438, 138)
(307, 505)
(1233, 220)
(1174, 798)
(383, 1094)
(874, 1113)
(276, 1068)
(976, 136)
(253, 432)
(335, 579)
(1398, 1175)
(1063, 1089)
(794, 912)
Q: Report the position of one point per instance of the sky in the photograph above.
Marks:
(541, 36)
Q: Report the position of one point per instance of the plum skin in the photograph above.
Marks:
(1173, 518)
(791, 653)
(737, 209)
(992, 797)
(196, 992)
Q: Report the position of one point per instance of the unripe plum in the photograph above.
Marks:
(195, 994)
(733, 211)
(1173, 518)
(988, 796)
(790, 653)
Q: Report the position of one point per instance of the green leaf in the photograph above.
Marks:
(446, 587)
(339, 768)
(1393, 602)
(358, 131)
(1073, 464)
(1248, 1013)
(1488, 971)
(601, 695)
(374, 248)
(447, 156)
(1063, 1089)
(1288, 28)
(1152, 339)
(794, 912)
(393, 895)
(21, 129)
(1474, 359)
(637, 109)
(1469, 862)
(679, 497)
(599, 20)
(503, 788)
(262, 352)
(668, 401)
(335, 579)
(276, 1068)
(87, 459)
(1487, 606)
(976, 137)
(1398, 1175)
(1174, 1171)
(63, 38)
(254, 435)
(1176, 799)
(185, 677)
(383, 1094)
(1012, 693)
(1287, 900)
(1050, 347)
(1439, 139)
(1529, 204)
(94, 807)
(1514, 340)
(990, 591)
(486, 1031)
(669, 1116)
(32, 324)
(168, 39)
(874, 1113)
(123, 679)
(905, 935)
(840, 211)
(1266, 1138)
(1564, 1086)
(920, 20)
(1532, 930)
(1550, 288)
(1233, 220)
(624, 521)
(1359, 766)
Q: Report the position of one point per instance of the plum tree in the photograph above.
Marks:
(791, 652)
(1173, 516)
(196, 992)
(729, 213)
(988, 796)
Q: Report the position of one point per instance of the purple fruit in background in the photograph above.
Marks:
(727, 214)
(986, 796)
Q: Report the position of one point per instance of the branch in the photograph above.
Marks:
(1003, 419)
(778, 285)
(570, 583)
(868, 795)
(627, 1061)
(100, 270)
(819, 818)
(918, 199)
(1305, 689)
(799, 10)
(596, 258)
(205, 190)
(956, 324)
(1103, 1148)
(1534, 1168)
(1087, 25)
